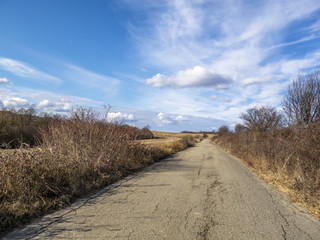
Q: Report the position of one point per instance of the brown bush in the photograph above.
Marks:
(20, 128)
(223, 130)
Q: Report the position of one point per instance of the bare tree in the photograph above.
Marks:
(302, 101)
(223, 129)
(262, 119)
(240, 128)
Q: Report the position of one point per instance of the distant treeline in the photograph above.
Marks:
(200, 132)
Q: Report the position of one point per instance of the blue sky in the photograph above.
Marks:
(173, 65)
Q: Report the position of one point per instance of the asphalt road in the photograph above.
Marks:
(199, 193)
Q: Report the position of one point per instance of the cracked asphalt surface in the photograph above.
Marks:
(199, 193)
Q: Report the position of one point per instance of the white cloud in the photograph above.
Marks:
(180, 118)
(59, 106)
(118, 116)
(164, 119)
(45, 103)
(256, 80)
(3, 81)
(16, 102)
(195, 77)
(22, 69)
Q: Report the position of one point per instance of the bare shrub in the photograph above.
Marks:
(239, 128)
(145, 133)
(204, 135)
(20, 128)
(302, 101)
(223, 130)
(262, 118)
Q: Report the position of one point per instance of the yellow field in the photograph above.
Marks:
(162, 138)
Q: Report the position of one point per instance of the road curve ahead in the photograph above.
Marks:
(199, 193)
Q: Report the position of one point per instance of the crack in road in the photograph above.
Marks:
(186, 218)
(302, 231)
(286, 220)
(156, 207)
(208, 204)
(280, 214)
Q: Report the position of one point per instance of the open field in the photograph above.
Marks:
(172, 142)
(164, 138)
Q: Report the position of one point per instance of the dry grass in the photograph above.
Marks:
(161, 138)
(170, 143)
(288, 158)
(76, 156)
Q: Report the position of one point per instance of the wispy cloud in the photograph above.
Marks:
(25, 70)
(304, 39)
(231, 36)
(256, 80)
(170, 37)
(88, 78)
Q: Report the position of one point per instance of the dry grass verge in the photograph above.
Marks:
(288, 158)
(77, 155)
